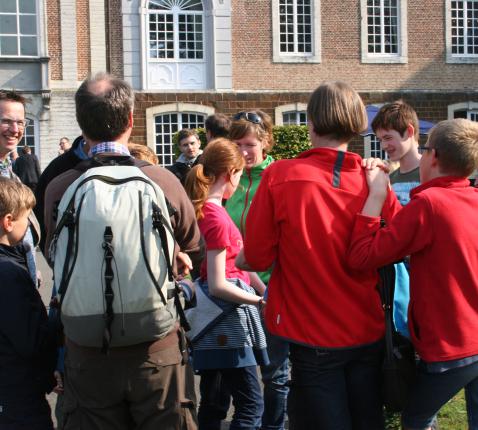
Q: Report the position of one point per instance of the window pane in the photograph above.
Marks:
(8, 45)
(8, 6)
(28, 24)
(27, 6)
(8, 24)
(28, 45)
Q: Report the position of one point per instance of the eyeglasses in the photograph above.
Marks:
(7, 122)
(422, 149)
(248, 116)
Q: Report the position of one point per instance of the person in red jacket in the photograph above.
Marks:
(300, 221)
(439, 230)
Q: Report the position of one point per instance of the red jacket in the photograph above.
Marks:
(301, 219)
(439, 229)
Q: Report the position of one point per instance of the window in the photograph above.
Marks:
(384, 31)
(29, 135)
(372, 148)
(166, 126)
(18, 28)
(175, 44)
(462, 31)
(163, 121)
(467, 110)
(296, 29)
(294, 118)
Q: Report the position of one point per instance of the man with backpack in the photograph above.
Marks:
(114, 227)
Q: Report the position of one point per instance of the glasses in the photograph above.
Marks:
(6, 122)
(248, 116)
(422, 149)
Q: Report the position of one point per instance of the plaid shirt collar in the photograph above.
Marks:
(6, 167)
(110, 148)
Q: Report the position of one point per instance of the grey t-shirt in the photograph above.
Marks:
(403, 183)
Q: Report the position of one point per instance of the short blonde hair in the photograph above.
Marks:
(456, 145)
(15, 198)
(335, 109)
(142, 152)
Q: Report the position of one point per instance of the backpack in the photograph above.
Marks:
(112, 251)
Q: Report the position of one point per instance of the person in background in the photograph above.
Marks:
(252, 133)
(27, 168)
(142, 152)
(190, 147)
(300, 222)
(64, 145)
(217, 125)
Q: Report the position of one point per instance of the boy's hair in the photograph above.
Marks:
(12, 96)
(26, 150)
(15, 198)
(218, 125)
(142, 152)
(335, 109)
(456, 145)
(187, 132)
(396, 116)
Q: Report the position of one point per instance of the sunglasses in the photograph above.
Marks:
(248, 116)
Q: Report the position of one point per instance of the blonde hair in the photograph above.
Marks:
(219, 157)
(456, 145)
(262, 131)
(335, 109)
(142, 152)
(15, 198)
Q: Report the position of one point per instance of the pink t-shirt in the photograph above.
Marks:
(220, 232)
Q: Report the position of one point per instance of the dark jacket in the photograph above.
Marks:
(27, 168)
(57, 166)
(27, 339)
(180, 169)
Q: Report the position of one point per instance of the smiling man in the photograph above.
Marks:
(190, 147)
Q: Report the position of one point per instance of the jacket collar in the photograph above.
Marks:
(257, 170)
(442, 182)
(16, 253)
(350, 161)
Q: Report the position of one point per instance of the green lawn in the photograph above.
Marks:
(451, 417)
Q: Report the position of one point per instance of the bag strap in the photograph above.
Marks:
(387, 281)
(109, 294)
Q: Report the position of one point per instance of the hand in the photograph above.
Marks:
(378, 182)
(371, 163)
(184, 265)
(59, 382)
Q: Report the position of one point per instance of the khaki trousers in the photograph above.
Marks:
(142, 387)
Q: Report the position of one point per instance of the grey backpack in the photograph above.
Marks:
(112, 251)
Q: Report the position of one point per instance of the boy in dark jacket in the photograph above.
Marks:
(27, 347)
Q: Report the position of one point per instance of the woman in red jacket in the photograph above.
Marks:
(301, 220)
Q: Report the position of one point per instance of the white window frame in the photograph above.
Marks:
(383, 58)
(464, 106)
(171, 108)
(38, 34)
(454, 58)
(367, 147)
(284, 57)
(279, 111)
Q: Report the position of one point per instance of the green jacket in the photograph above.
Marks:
(238, 205)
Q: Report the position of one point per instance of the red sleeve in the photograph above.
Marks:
(262, 230)
(409, 231)
(215, 232)
(391, 206)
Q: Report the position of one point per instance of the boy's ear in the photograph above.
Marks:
(410, 130)
(6, 223)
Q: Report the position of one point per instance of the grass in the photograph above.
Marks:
(451, 417)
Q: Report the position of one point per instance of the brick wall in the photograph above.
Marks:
(114, 40)
(54, 38)
(83, 38)
(341, 56)
(429, 106)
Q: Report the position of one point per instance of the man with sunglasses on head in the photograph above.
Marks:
(12, 127)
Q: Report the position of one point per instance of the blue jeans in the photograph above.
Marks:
(335, 389)
(423, 407)
(275, 377)
(243, 385)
